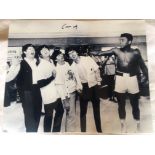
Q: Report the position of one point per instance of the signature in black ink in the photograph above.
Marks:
(65, 26)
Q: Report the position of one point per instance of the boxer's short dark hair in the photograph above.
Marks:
(128, 36)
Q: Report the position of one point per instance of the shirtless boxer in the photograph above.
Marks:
(129, 63)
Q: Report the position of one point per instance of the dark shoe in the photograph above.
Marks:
(99, 131)
(110, 99)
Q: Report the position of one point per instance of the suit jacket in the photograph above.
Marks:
(24, 78)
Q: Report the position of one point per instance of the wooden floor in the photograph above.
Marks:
(13, 120)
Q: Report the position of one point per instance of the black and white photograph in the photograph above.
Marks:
(77, 77)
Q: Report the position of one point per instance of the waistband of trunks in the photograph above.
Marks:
(123, 73)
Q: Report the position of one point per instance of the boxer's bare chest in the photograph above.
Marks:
(126, 57)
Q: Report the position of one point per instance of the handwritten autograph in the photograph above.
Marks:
(65, 26)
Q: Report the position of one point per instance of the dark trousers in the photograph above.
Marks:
(110, 83)
(7, 99)
(49, 108)
(10, 93)
(32, 104)
(86, 95)
(134, 101)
